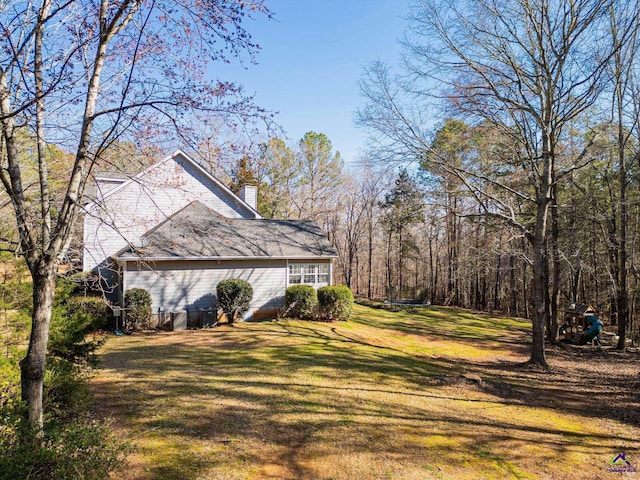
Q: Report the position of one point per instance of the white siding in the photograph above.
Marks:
(105, 185)
(148, 200)
(178, 285)
(249, 194)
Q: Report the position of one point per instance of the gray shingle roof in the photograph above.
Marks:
(196, 231)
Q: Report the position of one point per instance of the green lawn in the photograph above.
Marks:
(430, 393)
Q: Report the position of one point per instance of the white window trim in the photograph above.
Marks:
(317, 267)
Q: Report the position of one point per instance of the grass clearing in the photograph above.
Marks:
(426, 393)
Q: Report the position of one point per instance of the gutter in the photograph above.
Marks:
(164, 259)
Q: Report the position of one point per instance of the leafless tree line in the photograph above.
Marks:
(538, 87)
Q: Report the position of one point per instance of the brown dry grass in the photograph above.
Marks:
(430, 393)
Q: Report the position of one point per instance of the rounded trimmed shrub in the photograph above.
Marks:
(234, 296)
(336, 302)
(137, 304)
(301, 301)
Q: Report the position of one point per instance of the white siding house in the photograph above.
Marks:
(125, 212)
(176, 231)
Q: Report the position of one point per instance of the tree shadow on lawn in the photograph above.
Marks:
(453, 324)
(205, 388)
(334, 355)
(295, 440)
(570, 386)
(581, 380)
(266, 426)
(600, 383)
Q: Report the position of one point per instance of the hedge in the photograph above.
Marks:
(234, 297)
(301, 301)
(336, 302)
(137, 304)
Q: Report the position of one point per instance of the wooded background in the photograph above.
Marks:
(502, 169)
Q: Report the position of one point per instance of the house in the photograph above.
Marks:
(176, 231)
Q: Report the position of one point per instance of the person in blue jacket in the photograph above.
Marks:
(593, 328)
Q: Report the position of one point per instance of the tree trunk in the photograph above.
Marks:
(370, 255)
(552, 333)
(484, 284)
(513, 291)
(400, 259)
(547, 294)
(497, 305)
(538, 240)
(357, 275)
(432, 279)
(538, 298)
(389, 267)
(351, 254)
(613, 252)
(595, 268)
(32, 365)
(526, 284)
(452, 252)
(622, 300)
(475, 278)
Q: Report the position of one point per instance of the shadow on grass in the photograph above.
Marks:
(578, 388)
(449, 323)
(279, 393)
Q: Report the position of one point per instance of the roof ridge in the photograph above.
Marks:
(197, 231)
(191, 161)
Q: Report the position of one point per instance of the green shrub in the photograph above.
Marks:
(69, 337)
(15, 295)
(234, 297)
(335, 302)
(73, 319)
(93, 308)
(72, 445)
(66, 391)
(137, 304)
(9, 380)
(301, 301)
(71, 350)
(79, 449)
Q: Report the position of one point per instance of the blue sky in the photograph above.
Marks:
(312, 55)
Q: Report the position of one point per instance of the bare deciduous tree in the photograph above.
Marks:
(624, 102)
(81, 74)
(527, 68)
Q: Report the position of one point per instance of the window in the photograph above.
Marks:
(323, 273)
(295, 274)
(309, 274)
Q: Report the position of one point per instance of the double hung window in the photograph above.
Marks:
(309, 273)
